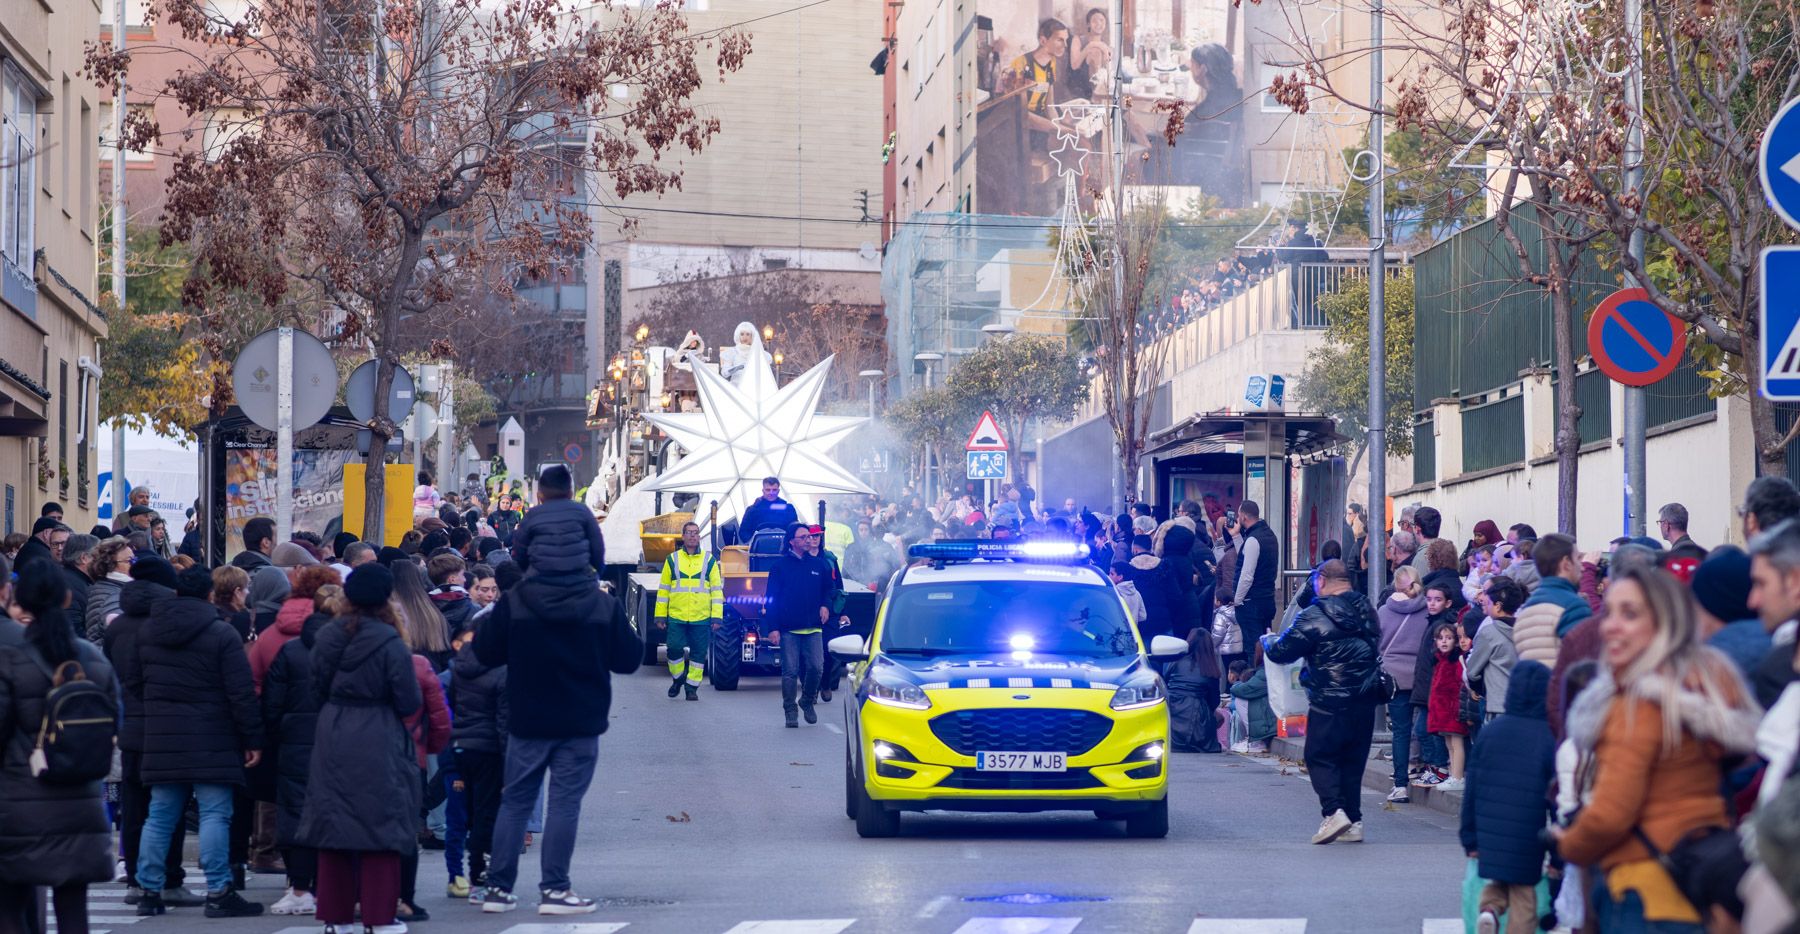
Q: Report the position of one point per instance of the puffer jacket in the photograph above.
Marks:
(1226, 633)
(200, 709)
(363, 789)
(50, 834)
(478, 701)
(289, 620)
(102, 601)
(1403, 625)
(1507, 801)
(1338, 638)
(557, 538)
(1154, 585)
(1553, 609)
(121, 645)
(429, 726)
(290, 710)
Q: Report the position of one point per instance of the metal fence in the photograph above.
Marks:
(1424, 456)
(1493, 434)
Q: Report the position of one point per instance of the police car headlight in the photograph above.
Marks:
(1143, 689)
(894, 691)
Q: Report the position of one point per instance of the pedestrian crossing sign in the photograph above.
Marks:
(1780, 291)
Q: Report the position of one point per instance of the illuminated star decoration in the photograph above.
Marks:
(1070, 157)
(746, 432)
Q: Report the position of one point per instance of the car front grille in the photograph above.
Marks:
(974, 780)
(1032, 730)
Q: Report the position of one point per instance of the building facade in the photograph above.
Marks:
(50, 329)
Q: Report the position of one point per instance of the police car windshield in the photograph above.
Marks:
(1004, 617)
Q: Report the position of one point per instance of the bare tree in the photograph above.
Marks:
(372, 158)
(1714, 73)
(1130, 337)
(1496, 83)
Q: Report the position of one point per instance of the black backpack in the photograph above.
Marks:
(80, 727)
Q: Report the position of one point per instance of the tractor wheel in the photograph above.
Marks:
(727, 642)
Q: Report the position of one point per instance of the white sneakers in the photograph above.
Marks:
(1400, 795)
(1353, 835)
(1452, 784)
(1487, 923)
(294, 903)
(1332, 827)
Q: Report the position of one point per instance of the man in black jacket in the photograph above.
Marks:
(565, 637)
(478, 735)
(1337, 637)
(769, 512)
(202, 729)
(1258, 571)
(801, 589)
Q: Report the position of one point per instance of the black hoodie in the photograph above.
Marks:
(478, 703)
(569, 636)
(200, 709)
(120, 642)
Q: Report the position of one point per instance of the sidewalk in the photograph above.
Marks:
(1379, 774)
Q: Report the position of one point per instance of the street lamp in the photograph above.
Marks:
(872, 376)
(928, 358)
(998, 329)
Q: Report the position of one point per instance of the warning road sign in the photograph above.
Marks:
(1633, 341)
(986, 436)
(1781, 323)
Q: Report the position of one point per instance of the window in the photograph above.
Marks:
(62, 427)
(137, 13)
(90, 142)
(107, 139)
(18, 166)
(68, 142)
(223, 125)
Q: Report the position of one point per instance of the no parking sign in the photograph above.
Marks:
(1633, 341)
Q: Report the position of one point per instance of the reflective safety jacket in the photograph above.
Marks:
(692, 589)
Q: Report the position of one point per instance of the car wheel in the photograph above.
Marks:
(1151, 823)
(725, 661)
(851, 787)
(872, 820)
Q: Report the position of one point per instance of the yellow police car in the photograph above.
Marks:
(1005, 676)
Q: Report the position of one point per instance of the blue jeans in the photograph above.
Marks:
(456, 825)
(1432, 750)
(1400, 723)
(1626, 915)
(166, 805)
(570, 763)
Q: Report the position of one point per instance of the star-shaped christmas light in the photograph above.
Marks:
(1070, 157)
(746, 432)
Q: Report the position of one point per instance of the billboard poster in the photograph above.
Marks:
(1045, 86)
(318, 490)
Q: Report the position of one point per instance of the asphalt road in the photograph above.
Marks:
(711, 817)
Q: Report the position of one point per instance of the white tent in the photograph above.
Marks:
(169, 466)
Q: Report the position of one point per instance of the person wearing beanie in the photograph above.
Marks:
(202, 729)
(1721, 586)
(388, 554)
(152, 580)
(364, 789)
(561, 537)
(291, 555)
(48, 535)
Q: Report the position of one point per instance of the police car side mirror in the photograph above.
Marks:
(855, 648)
(1167, 648)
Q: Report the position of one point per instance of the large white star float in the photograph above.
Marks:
(756, 429)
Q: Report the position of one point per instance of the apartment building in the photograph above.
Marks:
(50, 328)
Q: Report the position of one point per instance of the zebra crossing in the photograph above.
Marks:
(107, 910)
(1024, 924)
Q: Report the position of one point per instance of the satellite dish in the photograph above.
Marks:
(359, 391)
(253, 379)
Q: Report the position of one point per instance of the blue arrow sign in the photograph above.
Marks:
(1780, 316)
(1780, 163)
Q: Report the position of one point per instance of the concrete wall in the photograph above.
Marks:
(1703, 463)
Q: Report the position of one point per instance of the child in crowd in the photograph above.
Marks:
(1193, 686)
(1573, 773)
(1443, 714)
(1507, 803)
(1250, 691)
(478, 741)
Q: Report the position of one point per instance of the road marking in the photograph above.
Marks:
(1248, 926)
(590, 927)
(1018, 926)
(835, 728)
(822, 926)
(933, 907)
(1442, 926)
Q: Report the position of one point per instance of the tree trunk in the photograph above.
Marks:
(1771, 453)
(386, 312)
(1568, 412)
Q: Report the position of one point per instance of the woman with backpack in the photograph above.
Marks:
(59, 703)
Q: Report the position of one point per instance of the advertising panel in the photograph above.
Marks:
(318, 490)
(1044, 72)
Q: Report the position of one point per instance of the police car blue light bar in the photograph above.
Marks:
(985, 550)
